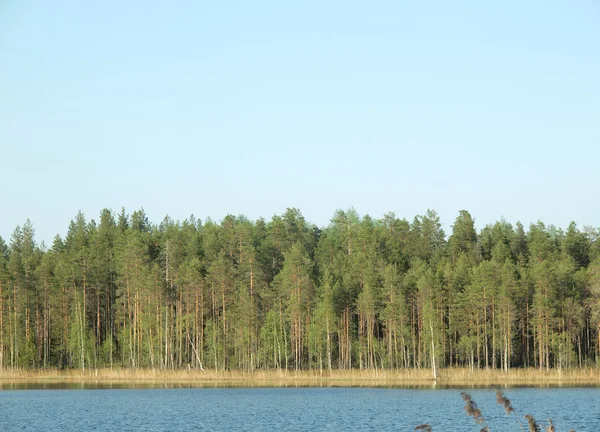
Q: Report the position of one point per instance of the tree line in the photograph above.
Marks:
(246, 295)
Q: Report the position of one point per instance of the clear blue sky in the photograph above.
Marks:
(250, 107)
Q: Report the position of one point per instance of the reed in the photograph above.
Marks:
(473, 411)
(501, 399)
(505, 402)
(383, 377)
(533, 426)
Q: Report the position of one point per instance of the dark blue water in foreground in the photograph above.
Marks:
(290, 409)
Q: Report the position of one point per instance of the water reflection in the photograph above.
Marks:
(144, 384)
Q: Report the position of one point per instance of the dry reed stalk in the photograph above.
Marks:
(473, 411)
(507, 405)
(448, 376)
(533, 426)
(504, 401)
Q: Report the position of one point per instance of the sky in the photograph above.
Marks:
(216, 108)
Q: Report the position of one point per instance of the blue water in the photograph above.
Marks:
(290, 409)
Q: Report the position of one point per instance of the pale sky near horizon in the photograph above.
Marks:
(249, 108)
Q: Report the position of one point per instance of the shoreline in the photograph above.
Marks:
(418, 378)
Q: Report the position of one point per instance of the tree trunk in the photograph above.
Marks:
(433, 367)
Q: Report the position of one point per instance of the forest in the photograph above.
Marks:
(360, 293)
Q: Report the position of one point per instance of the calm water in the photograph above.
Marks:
(291, 409)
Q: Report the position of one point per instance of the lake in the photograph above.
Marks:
(290, 409)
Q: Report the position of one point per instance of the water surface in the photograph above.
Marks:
(293, 409)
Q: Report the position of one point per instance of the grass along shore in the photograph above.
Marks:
(282, 378)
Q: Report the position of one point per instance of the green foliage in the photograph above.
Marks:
(359, 293)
